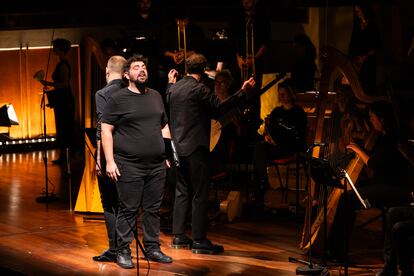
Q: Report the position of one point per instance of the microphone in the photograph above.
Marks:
(175, 154)
(320, 145)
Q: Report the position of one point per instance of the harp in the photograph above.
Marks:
(88, 199)
(333, 61)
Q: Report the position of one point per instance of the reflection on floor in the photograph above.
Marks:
(50, 239)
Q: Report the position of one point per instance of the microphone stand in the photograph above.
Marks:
(310, 268)
(48, 197)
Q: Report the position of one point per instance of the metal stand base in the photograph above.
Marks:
(310, 270)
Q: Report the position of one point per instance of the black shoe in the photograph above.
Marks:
(106, 256)
(159, 257)
(182, 241)
(124, 260)
(206, 247)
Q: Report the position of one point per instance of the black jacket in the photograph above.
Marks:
(192, 105)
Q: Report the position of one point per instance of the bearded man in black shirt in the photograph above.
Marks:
(134, 124)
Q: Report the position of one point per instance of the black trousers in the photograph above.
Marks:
(109, 199)
(377, 195)
(400, 228)
(137, 188)
(192, 187)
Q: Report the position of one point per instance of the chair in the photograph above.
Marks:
(290, 164)
(219, 181)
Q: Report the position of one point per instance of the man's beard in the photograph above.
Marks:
(141, 85)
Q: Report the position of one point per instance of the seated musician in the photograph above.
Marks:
(397, 243)
(224, 150)
(284, 135)
(388, 184)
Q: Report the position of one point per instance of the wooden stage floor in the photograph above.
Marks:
(40, 239)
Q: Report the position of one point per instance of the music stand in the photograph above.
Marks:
(7, 119)
(364, 202)
(323, 173)
(316, 169)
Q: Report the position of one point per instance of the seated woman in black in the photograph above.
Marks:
(397, 243)
(387, 185)
(284, 135)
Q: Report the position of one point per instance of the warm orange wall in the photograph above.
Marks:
(18, 87)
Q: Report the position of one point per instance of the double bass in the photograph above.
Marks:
(333, 60)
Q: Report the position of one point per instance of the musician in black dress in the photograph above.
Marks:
(61, 98)
(284, 135)
(388, 184)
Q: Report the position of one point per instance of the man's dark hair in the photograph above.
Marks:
(131, 60)
(196, 64)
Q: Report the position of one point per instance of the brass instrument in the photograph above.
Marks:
(333, 60)
(181, 54)
(248, 69)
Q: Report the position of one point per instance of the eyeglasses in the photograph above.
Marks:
(219, 82)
